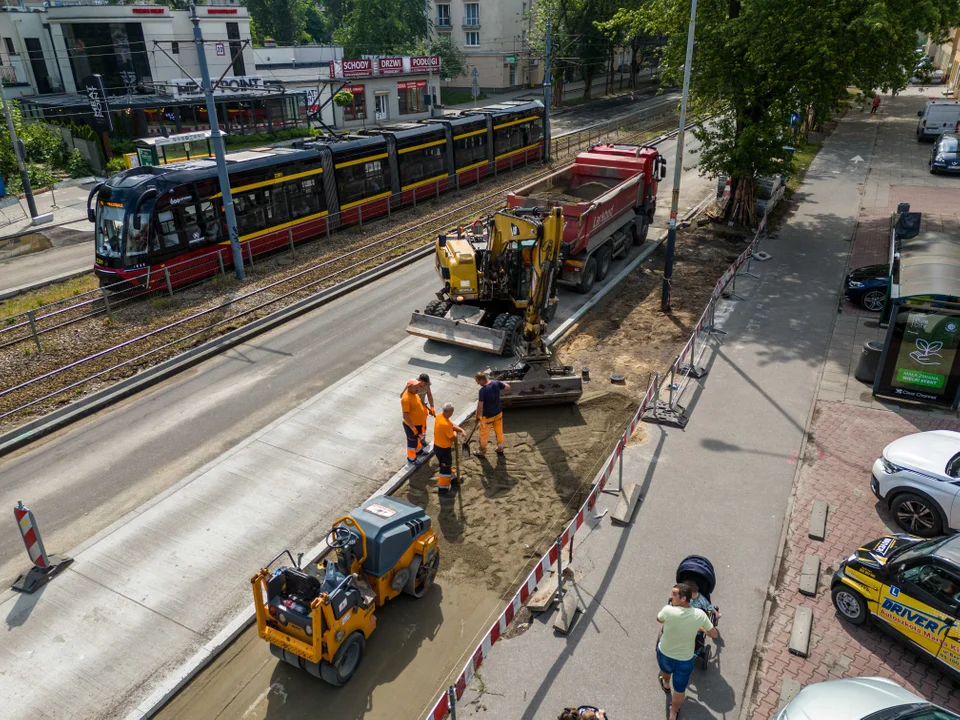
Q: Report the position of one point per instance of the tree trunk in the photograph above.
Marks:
(741, 209)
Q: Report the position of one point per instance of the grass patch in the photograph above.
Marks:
(164, 302)
(802, 157)
(224, 281)
(49, 294)
(451, 96)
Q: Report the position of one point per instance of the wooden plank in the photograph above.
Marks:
(800, 634)
(629, 497)
(566, 610)
(818, 520)
(810, 575)
(545, 595)
(788, 691)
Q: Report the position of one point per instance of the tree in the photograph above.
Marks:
(317, 25)
(282, 20)
(628, 28)
(453, 63)
(382, 27)
(758, 61)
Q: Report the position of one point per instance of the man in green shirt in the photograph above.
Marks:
(676, 649)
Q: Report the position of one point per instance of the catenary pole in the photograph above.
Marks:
(216, 139)
(665, 299)
(547, 80)
(24, 175)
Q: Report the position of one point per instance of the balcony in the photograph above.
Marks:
(471, 23)
(443, 22)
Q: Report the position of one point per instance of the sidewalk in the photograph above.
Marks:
(848, 430)
(720, 488)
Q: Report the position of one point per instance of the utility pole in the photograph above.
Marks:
(36, 218)
(546, 96)
(216, 139)
(665, 301)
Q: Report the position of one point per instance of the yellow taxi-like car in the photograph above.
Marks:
(910, 584)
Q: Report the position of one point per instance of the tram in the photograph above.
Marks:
(163, 226)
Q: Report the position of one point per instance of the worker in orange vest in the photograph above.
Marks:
(414, 419)
(444, 433)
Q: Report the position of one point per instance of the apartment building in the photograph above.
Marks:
(494, 35)
(947, 57)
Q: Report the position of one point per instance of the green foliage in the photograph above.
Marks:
(115, 165)
(77, 165)
(231, 141)
(122, 147)
(318, 26)
(383, 27)
(283, 20)
(344, 98)
(453, 96)
(453, 62)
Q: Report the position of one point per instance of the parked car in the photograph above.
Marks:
(867, 286)
(938, 117)
(918, 475)
(946, 154)
(858, 699)
(909, 586)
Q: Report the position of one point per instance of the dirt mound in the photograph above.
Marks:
(510, 508)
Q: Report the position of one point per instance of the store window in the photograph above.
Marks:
(471, 39)
(358, 109)
(410, 95)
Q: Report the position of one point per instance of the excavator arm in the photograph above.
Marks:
(546, 256)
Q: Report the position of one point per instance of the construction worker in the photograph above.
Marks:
(444, 433)
(414, 419)
(426, 397)
(489, 412)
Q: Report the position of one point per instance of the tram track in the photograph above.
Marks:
(87, 346)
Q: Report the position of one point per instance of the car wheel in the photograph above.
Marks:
(916, 515)
(850, 604)
(872, 300)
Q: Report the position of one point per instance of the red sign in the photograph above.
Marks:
(425, 63)
(411, 84)
(221, 11)
(357, 68)
(355, 89)
(148, 11)
(390, 65)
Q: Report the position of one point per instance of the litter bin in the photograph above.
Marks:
(869, 362)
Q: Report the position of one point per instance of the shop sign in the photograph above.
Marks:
(920, 358)
(221, 11)
(354, 68)
(411, 84)
(429, 63)
(510, 59)
(99, 107)
(185, 87)
(353, 89)
(390, 65)
(148, 10)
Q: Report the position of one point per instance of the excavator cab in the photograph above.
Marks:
(319, 617)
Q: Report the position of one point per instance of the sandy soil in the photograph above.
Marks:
(510, 508)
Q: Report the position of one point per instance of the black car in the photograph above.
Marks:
(946, 154)
(867, 286)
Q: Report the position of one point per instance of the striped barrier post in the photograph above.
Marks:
(44, 566)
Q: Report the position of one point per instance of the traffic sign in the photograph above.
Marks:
(220, 49)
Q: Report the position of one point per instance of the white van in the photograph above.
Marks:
(938, 117)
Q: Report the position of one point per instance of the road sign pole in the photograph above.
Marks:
(546, 96)
(216, 139)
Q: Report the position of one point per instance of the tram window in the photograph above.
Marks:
(536, 130)
(301, 198)
(168, 229)
(191, 224)
(470, 150)
(137, 239)
(356, 182)
(109, 230)
(210, 221)
(245, 205)
(421, 164)
(275, 205)
(507, 139)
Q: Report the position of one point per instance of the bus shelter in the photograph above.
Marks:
(920, 362)
(174, 148)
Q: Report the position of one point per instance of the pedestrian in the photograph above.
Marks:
(444, 434)
(676, 648)
(489, 412)
(414, 419)
(875, 105)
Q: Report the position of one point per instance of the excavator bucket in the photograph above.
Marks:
(458, 332)
(536, 382)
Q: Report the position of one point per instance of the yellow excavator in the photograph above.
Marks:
(318, 618)
(499, 293)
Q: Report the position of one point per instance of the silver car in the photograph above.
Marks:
(860, 699)
(919, 478)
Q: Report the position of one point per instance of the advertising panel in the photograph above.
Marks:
(390, 65)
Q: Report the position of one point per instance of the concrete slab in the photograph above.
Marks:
(810, 576)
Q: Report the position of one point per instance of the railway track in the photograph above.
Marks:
(64, 352)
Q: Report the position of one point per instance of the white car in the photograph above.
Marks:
(919, 478)
(858, 699)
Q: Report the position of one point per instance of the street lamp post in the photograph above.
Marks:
(665, 299)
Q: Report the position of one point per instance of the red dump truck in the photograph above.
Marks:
(608, 196)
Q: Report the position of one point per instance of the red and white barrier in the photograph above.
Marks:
(497, 630)
(31, 535)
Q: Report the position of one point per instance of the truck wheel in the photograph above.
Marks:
(588, 276)
(514, 327)
(642, 227)
(422, 576)
(345, 662)
(437, 308)
(604, 258)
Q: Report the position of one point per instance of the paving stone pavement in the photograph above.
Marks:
(848, 431)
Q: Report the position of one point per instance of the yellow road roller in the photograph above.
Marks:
(319, 617)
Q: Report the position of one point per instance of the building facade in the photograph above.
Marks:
(494, 37)
(946, 57)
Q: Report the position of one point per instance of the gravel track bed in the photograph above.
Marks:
(321, 264)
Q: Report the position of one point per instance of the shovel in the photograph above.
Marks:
(466, 442)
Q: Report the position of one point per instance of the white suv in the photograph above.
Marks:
(919, 477)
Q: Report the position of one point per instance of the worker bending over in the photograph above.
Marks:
(414, 419)
(489, 412)
(444, 434)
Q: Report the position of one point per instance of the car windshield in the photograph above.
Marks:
(109, 230)
(949, 144)
(953, 467)
(921, 549)
(914, 711)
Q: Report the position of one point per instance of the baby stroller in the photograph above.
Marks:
(697, 570)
